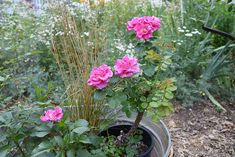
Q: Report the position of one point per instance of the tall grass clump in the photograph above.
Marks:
(77, 47)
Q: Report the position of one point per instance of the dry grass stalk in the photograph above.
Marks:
(76, 54)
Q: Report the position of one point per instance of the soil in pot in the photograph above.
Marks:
(138, 145)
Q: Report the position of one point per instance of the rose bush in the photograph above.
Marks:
(139, 84)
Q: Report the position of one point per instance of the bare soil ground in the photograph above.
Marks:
(201, 131)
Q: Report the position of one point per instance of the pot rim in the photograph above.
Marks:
(166, 151)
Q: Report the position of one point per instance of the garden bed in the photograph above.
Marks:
(201, 131)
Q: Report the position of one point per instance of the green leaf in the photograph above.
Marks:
(2, 119)
(165, 103)
(59, 140)
(41, 128)
(85, 139)
(154, 104)
(81, 130)
(144, 105)
(172, 88)
(70, 153)
(83, 153)
(127, 110)
(95, 140)
(3, 153)
(81, 122)
(169, 95)
(149, 70)
(147, 44)
(45, 145)
(41, 153)
(2, 79)
(3, 137)
(100, 94)
(39, 134)
(121, 96)
(117, 99)
(155, 99)
(143, 99)
(155, 118)
(6, 117)
(164, 110)
(42, 148)
(104, 124)
(113, 102)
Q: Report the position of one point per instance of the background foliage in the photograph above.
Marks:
(202, 62)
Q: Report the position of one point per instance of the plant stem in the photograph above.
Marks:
(21, 150)
(136, 124)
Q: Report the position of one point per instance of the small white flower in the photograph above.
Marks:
(130, 46)
(184, 27)
(173, 41)
(86, 34)
(187, 30)
(47, 43)
(188, 34)
(181, 41)
(197, 32)
(89, 43)
(120, 47)
(181, 30)
(178, 43)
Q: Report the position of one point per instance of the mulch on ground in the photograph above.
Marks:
(201, 131)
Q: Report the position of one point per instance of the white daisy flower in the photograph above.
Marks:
(188, 34)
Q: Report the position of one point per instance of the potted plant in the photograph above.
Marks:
(138, 84)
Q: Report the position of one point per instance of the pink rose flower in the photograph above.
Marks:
(144, 26)
(143, 31)
(99, 77)
(126, 67)
(52, 114)
(131, 24)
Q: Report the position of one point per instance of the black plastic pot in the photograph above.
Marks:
(147, 136)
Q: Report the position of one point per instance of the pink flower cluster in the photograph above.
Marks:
(144, 26)
(52, 114)
(125, 67)
(99, 77)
